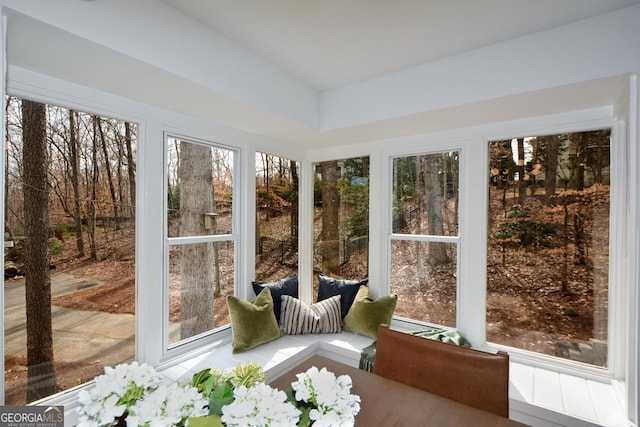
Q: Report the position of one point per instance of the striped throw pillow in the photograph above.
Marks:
(323, 317)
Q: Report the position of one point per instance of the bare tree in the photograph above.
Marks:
(522, 183)
(6, 162)
(266, 162)
(437, 251)
(419, 196)
(551, 166)
(107, 165)
(131, 167)
(294, 199)
(330, 209)
(75, 182)
(92, 184)
(196, 260)
(41, 380)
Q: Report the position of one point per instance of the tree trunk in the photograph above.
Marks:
(534, 163)
(522, 183)
(419, 195)
(41, 380)
(131, 169)
(107, 165)
(196, 260)
(267, 182)
(581, 151)
(92, 193)
(551, 167)
(75, 182)
(6, 165)
(564, 280)
(437, 251)
(330, 226)
(294, 200)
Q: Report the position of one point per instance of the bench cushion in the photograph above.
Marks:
(323, 317)
(347, 289)
(367, 313)
(286, 286)
(252, 322)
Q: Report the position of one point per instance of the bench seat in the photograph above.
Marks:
(276, 357)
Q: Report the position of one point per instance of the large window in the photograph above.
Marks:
(548, 244)
(424, 239)
(341, 218)
(69, 274)
(276, 217)
(201, 237)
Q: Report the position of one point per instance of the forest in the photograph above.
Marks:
(548, 244)
(70, 210)
(69, 201)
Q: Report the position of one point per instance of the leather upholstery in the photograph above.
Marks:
(475, 378)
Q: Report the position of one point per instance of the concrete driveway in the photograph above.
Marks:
(79, 336)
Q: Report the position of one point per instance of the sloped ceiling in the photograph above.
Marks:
(335, 43)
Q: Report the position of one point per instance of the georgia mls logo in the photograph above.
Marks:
(31, 416)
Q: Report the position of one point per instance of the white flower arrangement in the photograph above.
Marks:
(330, 397)
(259, 406)
(168, 405)
(136, 393)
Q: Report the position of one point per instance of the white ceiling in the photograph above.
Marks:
(334, 43)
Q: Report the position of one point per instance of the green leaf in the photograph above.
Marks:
(208, 421)
(220, 397)
(199, 380)
(305, 421)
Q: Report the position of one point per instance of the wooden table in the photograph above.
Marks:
(384, 402)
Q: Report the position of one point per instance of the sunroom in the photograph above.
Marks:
(427, 179)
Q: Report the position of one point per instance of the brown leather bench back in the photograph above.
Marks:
(475, 378)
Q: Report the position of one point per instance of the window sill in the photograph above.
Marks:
(541, 397)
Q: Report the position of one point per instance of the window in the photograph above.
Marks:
(424, 239)
(548, 245)
(276, 217)
(341, 218)
(201, 236)
(69, 248)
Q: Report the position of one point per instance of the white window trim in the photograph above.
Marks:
(471, 309)
(153, 123)
(190, 344)
(390, 236)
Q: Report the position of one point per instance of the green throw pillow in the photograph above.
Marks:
(367, 313)
(252, 323)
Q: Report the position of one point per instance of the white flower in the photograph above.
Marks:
(259, 406)
(136, 389)
(334, 404)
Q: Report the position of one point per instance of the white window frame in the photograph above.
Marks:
(51, 91)
(391, 236)
(616, 323)
(152, 124)
(194, 342)
(472, 145)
